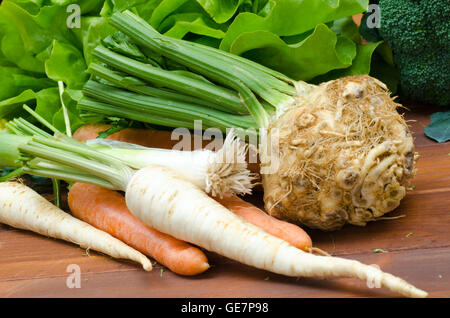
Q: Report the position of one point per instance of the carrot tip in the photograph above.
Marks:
(204, 267)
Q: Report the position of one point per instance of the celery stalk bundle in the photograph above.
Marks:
(345, 155)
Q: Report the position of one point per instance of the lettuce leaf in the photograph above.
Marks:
(66, 63)
(290, 17)
(360, 65)
(184, 23)
(15, 80)
(286, 35)
(37, 49)
(300, 60)
(220, 10)
(11, 107)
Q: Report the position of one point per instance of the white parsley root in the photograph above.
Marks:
(346, 156)
(23, 208)
(158, 197)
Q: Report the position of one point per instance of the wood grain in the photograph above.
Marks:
(230, 279)
(417, 245)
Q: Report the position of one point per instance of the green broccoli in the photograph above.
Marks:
(418, 33)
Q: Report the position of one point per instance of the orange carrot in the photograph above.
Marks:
(90, 131)
(291, 233)
(151, 138)
(107, 210)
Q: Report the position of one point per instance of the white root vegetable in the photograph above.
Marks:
(164, 201)
(23, 208)
(217, 172)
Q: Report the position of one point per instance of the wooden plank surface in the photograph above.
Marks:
(417, 245)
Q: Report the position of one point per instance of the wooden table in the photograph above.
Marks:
(418, 250)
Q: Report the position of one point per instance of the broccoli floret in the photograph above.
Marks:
(418, 32)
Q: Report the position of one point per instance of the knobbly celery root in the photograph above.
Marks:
(346, 156)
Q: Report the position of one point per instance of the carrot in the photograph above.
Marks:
(291, 233)
(23, 208)
(284, 230)
(107, 210)
(145, 137)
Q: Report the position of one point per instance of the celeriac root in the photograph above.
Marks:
(346, 156)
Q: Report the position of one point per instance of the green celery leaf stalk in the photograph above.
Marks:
(153, 106)
(187, 85)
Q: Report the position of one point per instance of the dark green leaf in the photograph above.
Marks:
(439, 127)
(382, 67)
(348, 28)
